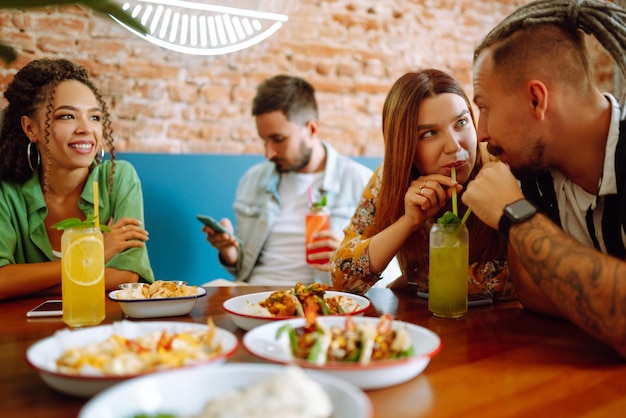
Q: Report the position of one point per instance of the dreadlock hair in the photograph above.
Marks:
(33, 88)
(552, 30)
(400, 133)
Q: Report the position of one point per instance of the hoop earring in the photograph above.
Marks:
(100, 157)
(29, 156)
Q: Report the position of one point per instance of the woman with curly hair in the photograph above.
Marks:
(428, 128)
(54, 133)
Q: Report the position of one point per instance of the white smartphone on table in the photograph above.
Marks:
(47, 308)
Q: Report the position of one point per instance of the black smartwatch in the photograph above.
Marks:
(515, 213)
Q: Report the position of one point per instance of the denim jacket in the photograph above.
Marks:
(257, 205)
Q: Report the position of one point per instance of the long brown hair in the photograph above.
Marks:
(399, 169)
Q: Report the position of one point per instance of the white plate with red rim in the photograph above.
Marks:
(157, 307)
(238, 309)
(262, 342)
(43, 354)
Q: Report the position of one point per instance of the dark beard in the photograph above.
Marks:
(534, 167)
(303, 161)
(527, 173)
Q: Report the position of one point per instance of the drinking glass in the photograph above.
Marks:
(82, 283)
(448, 270)
(317, 220)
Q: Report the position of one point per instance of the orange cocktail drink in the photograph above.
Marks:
(317, 220)
(82, 283)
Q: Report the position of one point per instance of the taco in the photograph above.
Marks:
(389, 342)
(283, 303)
(354, 342)
(309, 342)
(294, 301)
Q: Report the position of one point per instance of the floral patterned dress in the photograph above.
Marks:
(350, 265)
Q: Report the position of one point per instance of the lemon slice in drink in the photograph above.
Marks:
(84, 261)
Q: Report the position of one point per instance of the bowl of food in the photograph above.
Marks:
(159, 299)
(254, 309)
(368, 352)
(242, 390)
(83, 362)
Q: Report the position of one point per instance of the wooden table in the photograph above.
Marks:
(497, 361)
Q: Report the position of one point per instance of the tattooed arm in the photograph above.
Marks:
(527, 291)
(553, 273)
(588, 287)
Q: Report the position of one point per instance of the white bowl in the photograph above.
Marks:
(262, 342)
(236, 308)
(185, 392)
(157, 307)
(43, 354)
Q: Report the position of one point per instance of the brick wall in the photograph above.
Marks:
(351, 51)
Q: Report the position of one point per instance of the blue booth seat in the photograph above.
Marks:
(176, 188)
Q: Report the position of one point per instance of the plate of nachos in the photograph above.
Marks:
(159, 299)
(251, 310)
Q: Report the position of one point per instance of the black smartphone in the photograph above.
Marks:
(215, 226)
(47, 308)
(472, 300)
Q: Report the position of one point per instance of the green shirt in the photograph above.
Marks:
(23, 236)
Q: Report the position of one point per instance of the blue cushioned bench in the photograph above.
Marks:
(176, 188)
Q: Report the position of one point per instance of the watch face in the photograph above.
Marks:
(520, 210)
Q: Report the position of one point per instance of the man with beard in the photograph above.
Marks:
(273, 197)
(544, 117)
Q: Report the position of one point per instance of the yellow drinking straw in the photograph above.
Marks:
(467, 214)
(95, 204)
(454, 207)
(469, 210)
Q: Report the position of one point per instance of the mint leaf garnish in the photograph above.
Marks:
(449, 218)
(321, 203)
(89, 222)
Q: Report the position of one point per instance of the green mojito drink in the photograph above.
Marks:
(448, 270)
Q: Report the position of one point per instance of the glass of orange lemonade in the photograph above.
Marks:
(82, 281)
(317, 220)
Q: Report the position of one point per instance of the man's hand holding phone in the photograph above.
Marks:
(221, 236)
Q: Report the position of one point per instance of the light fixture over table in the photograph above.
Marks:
(200, 28)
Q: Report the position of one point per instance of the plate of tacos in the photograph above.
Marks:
(371, 353)
(251, 310)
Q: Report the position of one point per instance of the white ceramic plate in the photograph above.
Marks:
(42, 355)
(262, 342)
(236, 308)
(184, 393)
(159, 307)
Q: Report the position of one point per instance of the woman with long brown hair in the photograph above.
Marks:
(428, 128)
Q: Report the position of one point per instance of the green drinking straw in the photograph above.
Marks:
(469, 210)
(454, 206)
(467, 214)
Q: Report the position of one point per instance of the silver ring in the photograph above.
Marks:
(420, 191)
(124, 229)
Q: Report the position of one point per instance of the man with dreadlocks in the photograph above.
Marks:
(550, 126)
